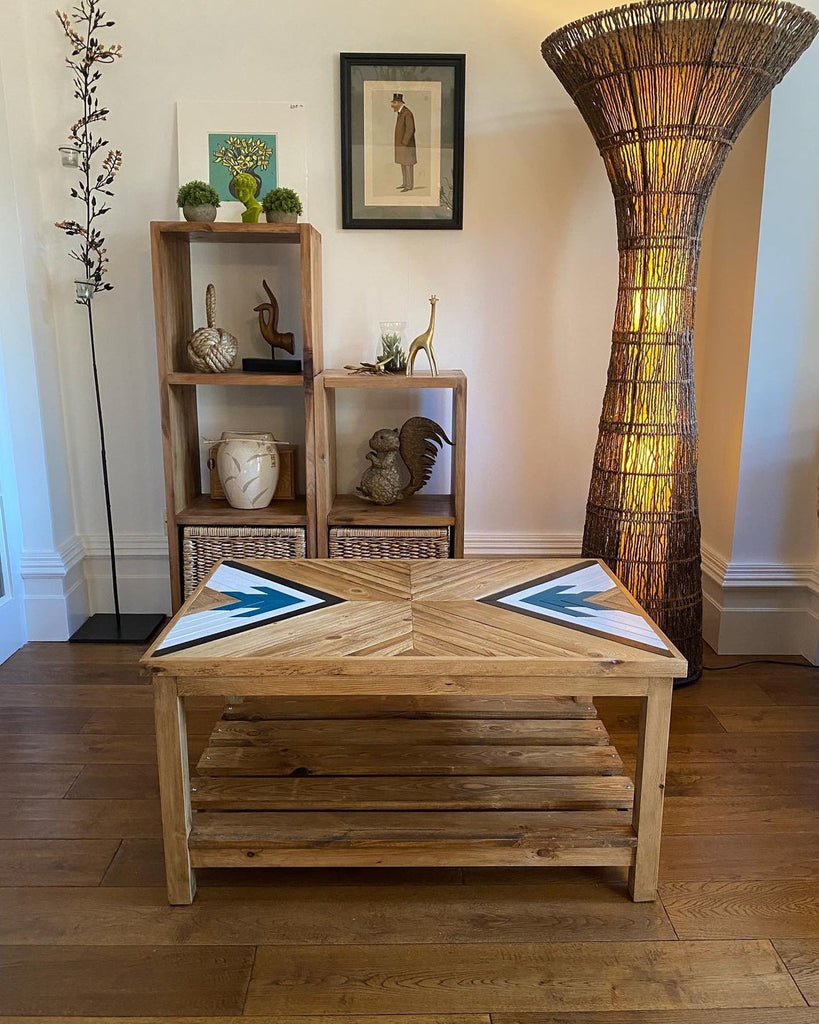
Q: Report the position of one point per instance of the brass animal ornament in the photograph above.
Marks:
(269, 322)
(424, 341)
(416, 445)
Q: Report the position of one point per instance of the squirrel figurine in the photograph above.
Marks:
(416, 444)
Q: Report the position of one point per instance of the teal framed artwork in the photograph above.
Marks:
(219, 140)
(232, 153)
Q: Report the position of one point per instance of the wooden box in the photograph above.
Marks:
(285, 488)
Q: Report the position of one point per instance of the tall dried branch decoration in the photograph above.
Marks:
(93, 188)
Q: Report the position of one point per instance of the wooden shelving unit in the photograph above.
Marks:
(186, 504)
(421, 510)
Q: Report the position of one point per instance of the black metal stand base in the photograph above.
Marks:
(132, 629)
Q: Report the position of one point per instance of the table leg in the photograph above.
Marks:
(174, 789)
(649, 788)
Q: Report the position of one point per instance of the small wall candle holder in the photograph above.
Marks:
(69, 156)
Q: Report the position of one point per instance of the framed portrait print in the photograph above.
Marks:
(402, 140)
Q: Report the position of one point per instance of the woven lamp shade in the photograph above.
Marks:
(665, 89)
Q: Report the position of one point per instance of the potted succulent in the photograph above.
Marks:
(281, 206)
(198, 200)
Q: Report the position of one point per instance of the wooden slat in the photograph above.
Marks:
(746, 1015)
(470, 793)
(37, 780)
(55, 861)
(123, 981)
(413, 837)
(711, 858)
(773, 908)
(519, 977)
(309, 907)
(79, 819)
(540, 732)
(801, 957)
(74, 695)
(418, 760)
(382, 706)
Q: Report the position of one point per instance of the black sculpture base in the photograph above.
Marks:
(132, 629)
(272, 365)
(688, 680)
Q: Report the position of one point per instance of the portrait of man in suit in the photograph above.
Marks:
(405, 152)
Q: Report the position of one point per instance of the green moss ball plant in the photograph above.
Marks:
(198, 200)
(282, 205)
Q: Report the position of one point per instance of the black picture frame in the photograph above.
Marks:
(374, 192)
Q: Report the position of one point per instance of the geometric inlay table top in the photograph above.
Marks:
(452, 615)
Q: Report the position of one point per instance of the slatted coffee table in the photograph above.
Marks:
(431, 712)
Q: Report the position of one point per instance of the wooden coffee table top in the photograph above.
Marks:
(384, 618)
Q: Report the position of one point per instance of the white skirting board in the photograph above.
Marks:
(748, 609)
(769, 608)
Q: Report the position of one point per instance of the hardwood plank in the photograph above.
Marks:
(792, 781)
(409, 732)
(801, 957)
(760, 720)
(140, 722)
(55, 862)
(382, 706)
(494, 978)
(115, 782)
(394, 793)
(622, 714)
(688, 815)
(47, 748)
(751, 1015)
(712, 858)
(335, 913)
(34, 720)
(746, 909)
(123, 980)
(53, 695)
(420, 760)
(731, 688)
(140, 862)
(685, 751)
(425, 1018)
(37, 780)
(791, 688)
(78, 819)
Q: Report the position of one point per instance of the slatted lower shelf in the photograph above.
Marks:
(418, 782)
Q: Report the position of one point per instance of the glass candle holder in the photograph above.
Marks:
(393, 354)
(69, 156)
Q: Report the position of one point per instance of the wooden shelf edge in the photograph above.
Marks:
(206, 512)
(237, 378)
(446, 379)
(419, 510)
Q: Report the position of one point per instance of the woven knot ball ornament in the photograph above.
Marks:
(212, 349)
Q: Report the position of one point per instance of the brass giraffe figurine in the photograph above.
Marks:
(424, 341)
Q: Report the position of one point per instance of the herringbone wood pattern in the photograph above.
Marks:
(86, 931)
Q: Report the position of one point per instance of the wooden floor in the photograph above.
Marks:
(85, 930)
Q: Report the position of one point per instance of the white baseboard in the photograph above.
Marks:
(522, 545)
(56, 595)
(765, 608)
(747, 608)
(142, 573)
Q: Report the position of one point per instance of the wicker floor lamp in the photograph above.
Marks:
(665, 88)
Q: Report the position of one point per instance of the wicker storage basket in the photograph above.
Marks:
(203, 546)
(360, 542)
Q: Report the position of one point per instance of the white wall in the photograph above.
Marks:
(759, 381)
(526, 289)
